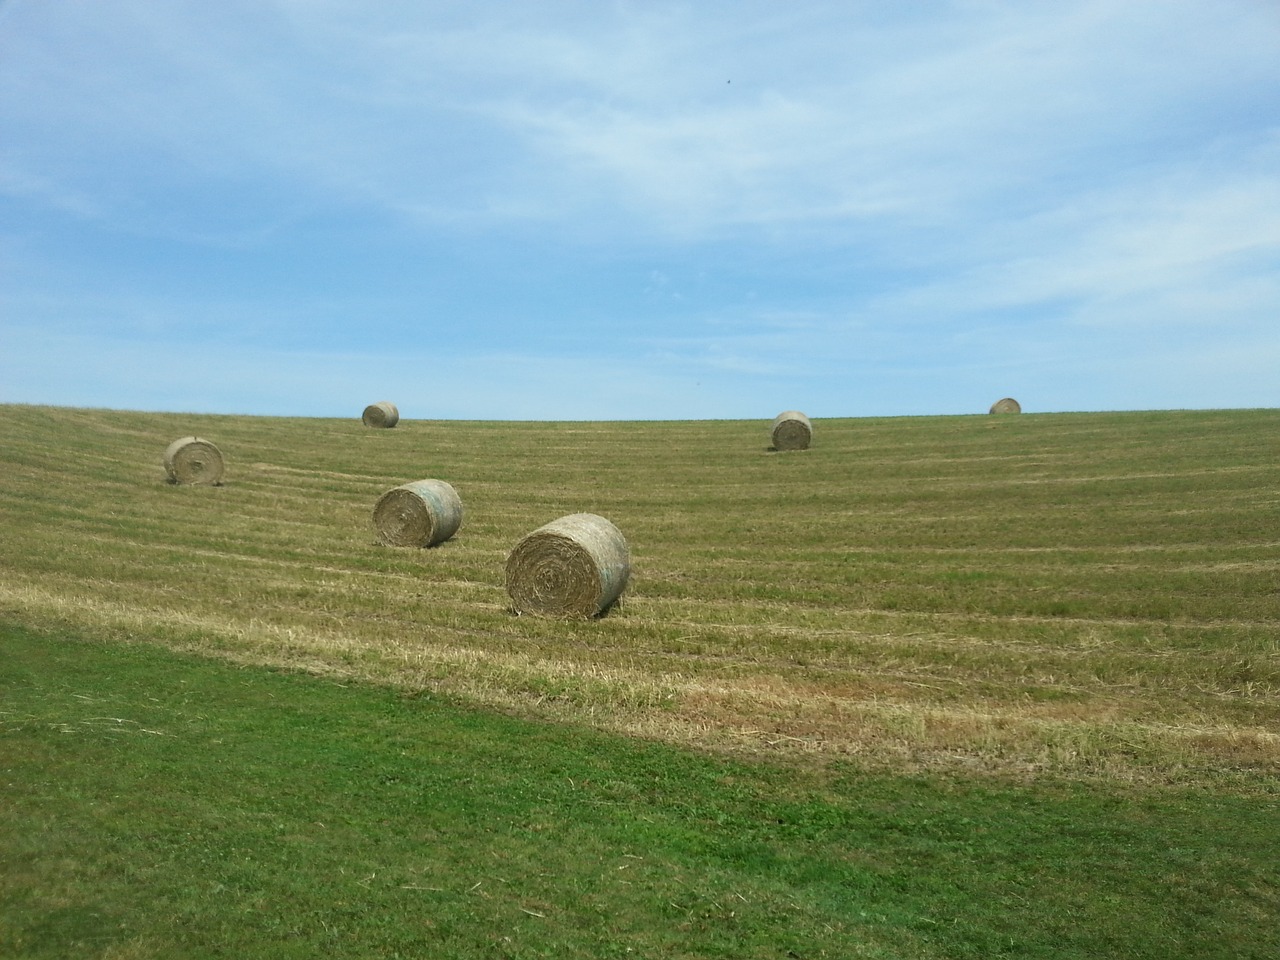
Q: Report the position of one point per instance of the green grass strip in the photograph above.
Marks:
(161, 805)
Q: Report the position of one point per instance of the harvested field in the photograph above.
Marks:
(1088, 595)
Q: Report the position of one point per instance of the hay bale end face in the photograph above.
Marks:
(418, 514)
(193, 460)
(573, 567)
(1007, 405)
(382, 414)
(791, 431)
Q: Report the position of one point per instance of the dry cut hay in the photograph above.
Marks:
(791, 431)
(418, 514)
(576, 566)
(382, 414)
(193, 460)
(1007, 405)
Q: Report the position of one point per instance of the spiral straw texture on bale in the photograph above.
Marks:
(193, 460)
(791, 431)
(1007, 405)
(418, 514)
(382, 414)
(576, 566)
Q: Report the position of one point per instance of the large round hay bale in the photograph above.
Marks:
(418, 514)
(382, 414)
(576, 566)
(791, 431)
(1007, 405)
(193, 460)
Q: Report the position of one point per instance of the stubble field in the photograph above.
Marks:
(1076, 595)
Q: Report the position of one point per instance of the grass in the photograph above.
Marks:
(160, 804)
(1082, 595)
(936, 687)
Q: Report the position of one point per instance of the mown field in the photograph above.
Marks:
(1090, 594)
(952, 686)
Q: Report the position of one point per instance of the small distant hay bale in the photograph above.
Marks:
(383, 414)
(193, 460)
(418, 514)
(576, 566)
(1007, 405)
(791, 431)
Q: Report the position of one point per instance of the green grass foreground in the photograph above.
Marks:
(161, 805)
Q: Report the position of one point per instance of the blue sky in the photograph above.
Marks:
(639, 210)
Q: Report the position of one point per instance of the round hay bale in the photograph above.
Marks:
(791, 431)
(192, 460)
(382, 414)
(418, 514)
(1007, 405)
(576, 566)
